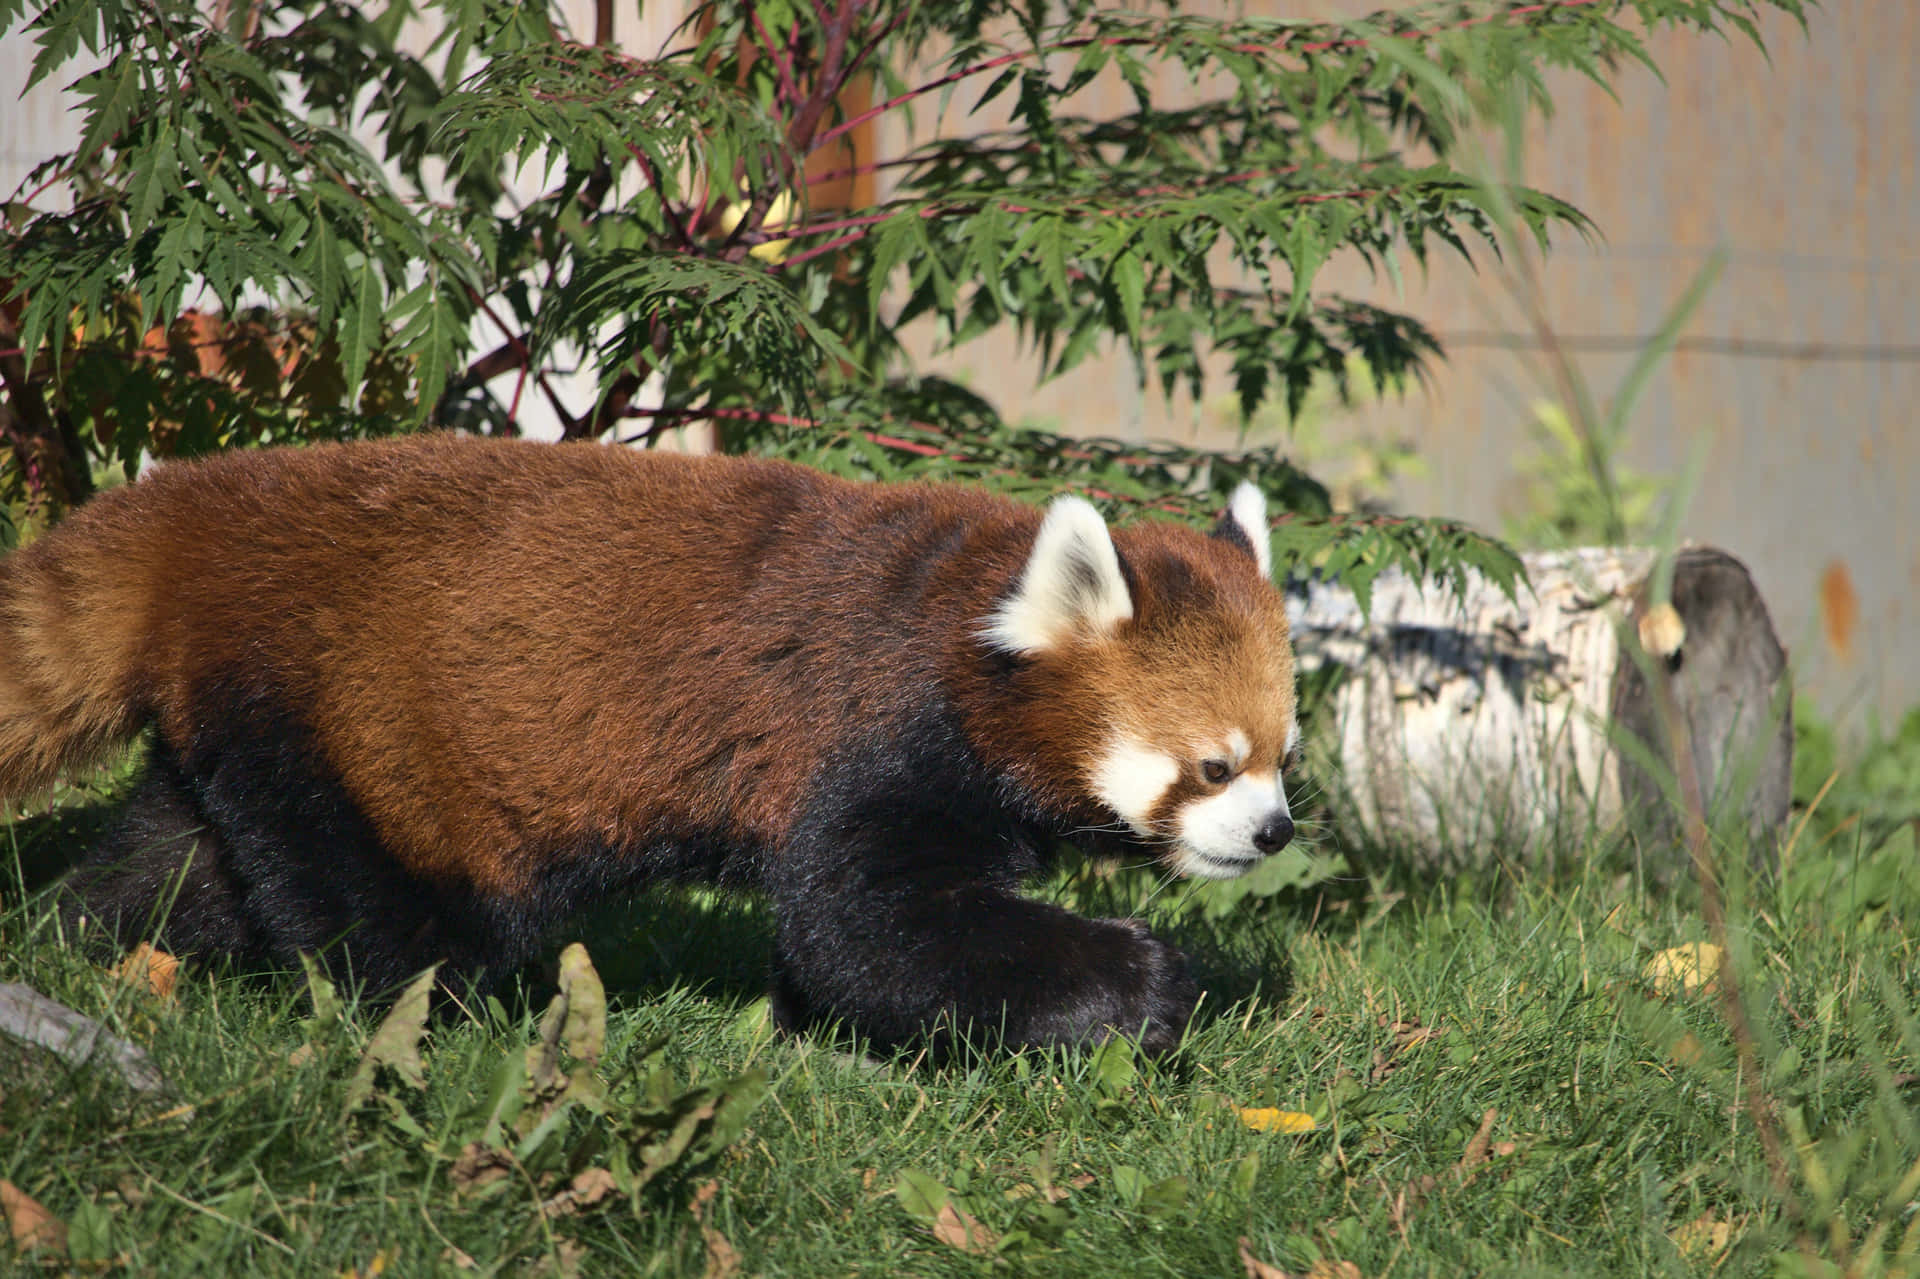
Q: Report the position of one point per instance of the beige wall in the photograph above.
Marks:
(1798, 388)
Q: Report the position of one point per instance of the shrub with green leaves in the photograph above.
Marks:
(297, 153)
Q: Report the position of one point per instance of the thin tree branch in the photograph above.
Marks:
(782, 59)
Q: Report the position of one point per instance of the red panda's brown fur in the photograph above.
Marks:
(510, 655)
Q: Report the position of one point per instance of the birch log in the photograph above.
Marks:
(1462, 727)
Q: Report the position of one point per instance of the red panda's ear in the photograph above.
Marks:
(1071, 587)
(1244, 523)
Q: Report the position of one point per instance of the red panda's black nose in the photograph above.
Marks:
(1273, 833)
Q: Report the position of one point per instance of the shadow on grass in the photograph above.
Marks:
(717, 945)
(43, 847)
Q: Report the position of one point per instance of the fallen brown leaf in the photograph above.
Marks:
(1407, 1035)
(1476, 1152)
(478, 1166)
(588, 1187)
(30, 1225)
(960, 1230)
(722, 1258)
(150, 968)
(564, 1261)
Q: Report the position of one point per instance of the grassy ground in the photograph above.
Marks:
(1496, 1085)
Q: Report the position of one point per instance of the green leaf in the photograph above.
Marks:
(396, 1044)
(920, 1195)
(1130, 286)
(360, 327)
(155, 176)
(112, 95)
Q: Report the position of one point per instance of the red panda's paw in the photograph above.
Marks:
(1157, 995)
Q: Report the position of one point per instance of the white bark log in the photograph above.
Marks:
(1465, 727)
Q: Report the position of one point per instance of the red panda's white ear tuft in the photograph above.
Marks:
(1071, 586)
(1245, 520)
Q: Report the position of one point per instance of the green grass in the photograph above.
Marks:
(1398, 1019)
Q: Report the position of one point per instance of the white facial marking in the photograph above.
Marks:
(1238, 747)
(1131, 778)
(1248, 507)
(1071, 585)
(1293, 740)
(1216, 833)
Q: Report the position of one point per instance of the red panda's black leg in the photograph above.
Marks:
(160, 873)
(284, 865)
(901, 966)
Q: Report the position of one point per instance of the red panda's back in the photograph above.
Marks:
(507, 651)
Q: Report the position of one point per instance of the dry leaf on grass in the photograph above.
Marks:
(30, 1225)
(154, 970)
(1703, 1238)
(723, 1261)
(1686, 970)
(960, 1230)
(1481, 1150)
(564, 1261)
(479, 1166)
(588, 1187)
(1478, 1145)
(1324, 1269)
(1267, 1119)
(1407, 1035)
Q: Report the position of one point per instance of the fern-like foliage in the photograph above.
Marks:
(224, 170)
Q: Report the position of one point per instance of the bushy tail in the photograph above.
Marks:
(73, 613)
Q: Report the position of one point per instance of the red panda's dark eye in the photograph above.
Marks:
(1215, 771)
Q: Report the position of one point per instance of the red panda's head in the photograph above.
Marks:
(1168, 653)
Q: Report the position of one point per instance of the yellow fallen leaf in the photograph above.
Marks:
(1324, 1269)
(1267, 1119)
(372, 1270)
(154, 969)
(30, 1225)
(1686, 970)
(1703, 1238)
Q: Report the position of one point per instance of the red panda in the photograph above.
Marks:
(423, 698)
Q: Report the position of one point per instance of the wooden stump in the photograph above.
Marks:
(1465, 727)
